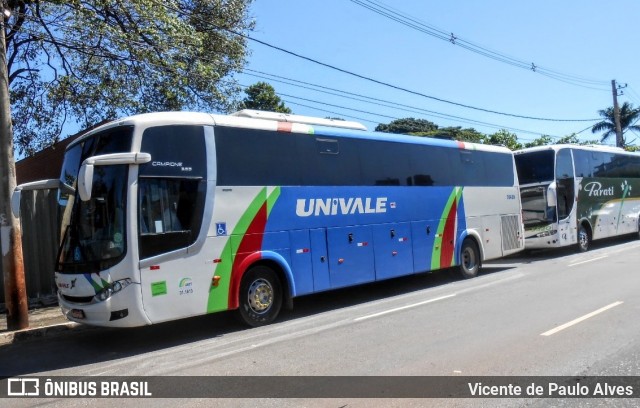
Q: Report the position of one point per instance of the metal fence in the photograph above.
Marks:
(40, 237)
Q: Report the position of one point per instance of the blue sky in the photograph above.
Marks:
(587, 42)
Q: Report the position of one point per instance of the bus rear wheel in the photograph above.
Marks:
(260, 296)
(469, 259)
(584, 239)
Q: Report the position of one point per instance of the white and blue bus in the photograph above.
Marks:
(572, 195)
(170, 215)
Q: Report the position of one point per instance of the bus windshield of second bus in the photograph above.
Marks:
(576, 194)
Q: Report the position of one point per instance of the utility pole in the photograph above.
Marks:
(15, 291)
(616, 114)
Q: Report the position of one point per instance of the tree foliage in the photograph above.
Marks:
(541, 141)
(262, 96)
(407, 126)
(458, 133)
(628, 116)
(79, 62)
(504, 138)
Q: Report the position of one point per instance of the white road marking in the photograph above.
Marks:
(581, 319)
(589, 260)
(402, 308)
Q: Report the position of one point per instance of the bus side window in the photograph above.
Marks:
(159, 205)
(565, 183)
(166, 214)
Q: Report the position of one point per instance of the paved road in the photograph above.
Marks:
(554, 313)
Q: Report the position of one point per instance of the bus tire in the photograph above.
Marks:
(584, 239)
(469, 259)
(260, 296)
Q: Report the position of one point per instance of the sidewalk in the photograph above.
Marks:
(43, 322)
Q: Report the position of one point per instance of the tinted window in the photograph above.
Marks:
(564, 183)
(582, 163)
(326, 161)
(250, 157)
(473, 171)
(625, 166)
(564, 164)
(535, 167)
(93, 232)
(258, 157)
(169, 214)
(385, 163)
(176, 151)
(432, 166)
(114, 140)
(498, 168)
(605, 164)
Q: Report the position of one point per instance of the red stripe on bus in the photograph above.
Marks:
(285, 127)
(448, 237)
(248, 252)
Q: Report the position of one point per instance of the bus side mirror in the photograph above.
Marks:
(85, 175)
(16, 196)
(15, 202)
(552, 199)
(85, 181)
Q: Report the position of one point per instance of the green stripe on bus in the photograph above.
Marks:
(271, 200)
(219, 295)
(454, 197)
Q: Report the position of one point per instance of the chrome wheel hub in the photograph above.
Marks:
(260, 296)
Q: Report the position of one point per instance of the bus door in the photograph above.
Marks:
(565, 193)
(393, 252)
(350, 251)
(170, 208)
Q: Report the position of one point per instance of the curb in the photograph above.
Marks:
(37, 332)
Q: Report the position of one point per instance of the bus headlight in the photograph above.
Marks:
(112, 289)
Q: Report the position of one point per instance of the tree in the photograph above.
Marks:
(11, 261)
(504, 138)
(83, 61)
(628, 117)
(541, 141)
(262, 96)
(454, 133)
(407, 126)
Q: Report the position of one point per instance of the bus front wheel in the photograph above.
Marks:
(260, 296)
(469, 259)
(584, 239)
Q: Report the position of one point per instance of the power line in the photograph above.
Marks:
(407, 20)
(401, 107)
(92, 50)
(380, 102)
(366, 78)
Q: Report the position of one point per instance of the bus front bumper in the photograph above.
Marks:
(120, 310)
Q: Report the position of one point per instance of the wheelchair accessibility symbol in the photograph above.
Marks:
(221, 228)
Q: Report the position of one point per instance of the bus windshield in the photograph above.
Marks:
(535, 167)
(92, 233)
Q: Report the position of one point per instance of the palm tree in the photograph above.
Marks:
(628, 117)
